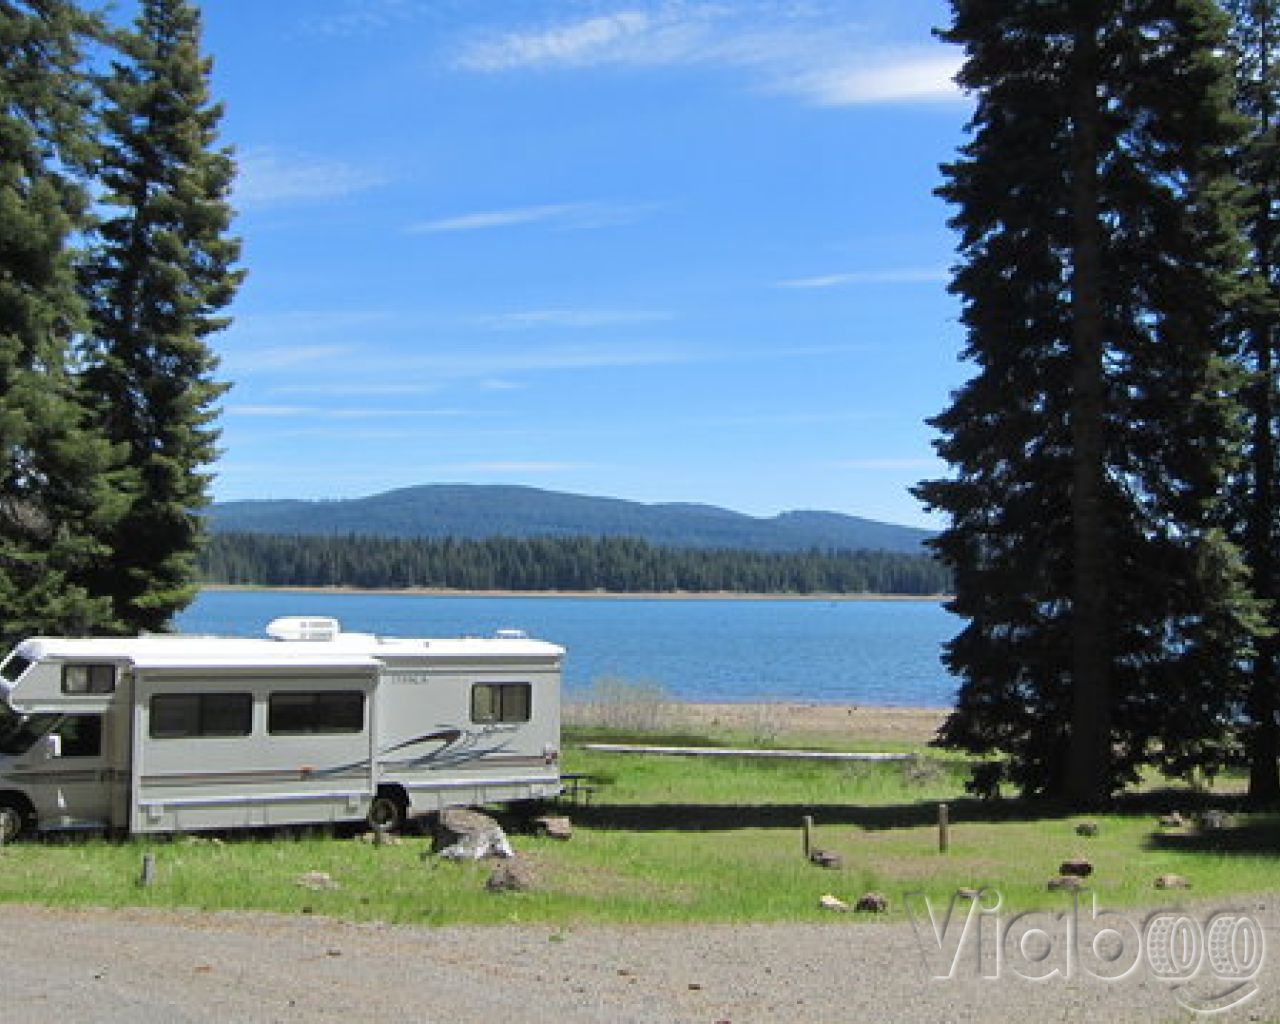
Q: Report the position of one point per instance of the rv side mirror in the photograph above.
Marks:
(52, 746)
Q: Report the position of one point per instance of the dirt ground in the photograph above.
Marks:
(181, 967)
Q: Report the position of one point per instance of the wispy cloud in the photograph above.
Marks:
(353, 388)
(369, 371)
(819, 55)
(267, 411)
(920, 275)
(268, 177)
(494, 364)
(509, 467)
(565, 216)
(576, 43)
(331, 413)
(359, 17)
(571, 318)
(913, 77)
(284, 357)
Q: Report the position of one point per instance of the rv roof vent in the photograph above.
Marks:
(511, 634)
(301, 627)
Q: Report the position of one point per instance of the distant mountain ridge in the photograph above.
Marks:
(481, 511)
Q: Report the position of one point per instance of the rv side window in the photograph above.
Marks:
(81, 735)
(501, 702)
(179, 715)
(315, 711)
(88, 679)
(14, 667)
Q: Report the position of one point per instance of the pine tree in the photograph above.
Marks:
(156, 286)
(1256, 39)
(1106, 609)
(58, 497)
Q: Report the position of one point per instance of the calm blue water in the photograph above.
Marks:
(856, 652)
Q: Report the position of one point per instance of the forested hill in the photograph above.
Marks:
(470, 511)
(610, 564)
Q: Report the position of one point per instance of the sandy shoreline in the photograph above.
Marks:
(717, 595)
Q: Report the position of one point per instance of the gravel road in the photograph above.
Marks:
(150, 966)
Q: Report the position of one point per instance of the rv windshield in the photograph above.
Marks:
(18, 732)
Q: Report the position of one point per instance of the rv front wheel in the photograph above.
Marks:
(12, 822)
(387, 812)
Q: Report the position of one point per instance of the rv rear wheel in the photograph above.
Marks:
(12, 822)
(387, 812)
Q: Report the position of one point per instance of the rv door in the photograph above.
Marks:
(77, 790)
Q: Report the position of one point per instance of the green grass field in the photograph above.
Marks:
(669, 839)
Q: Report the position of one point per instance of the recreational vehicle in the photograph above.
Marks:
(310, 724)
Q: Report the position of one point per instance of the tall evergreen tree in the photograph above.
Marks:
(57, 498)
(1106, 609)
(156, 286)
(1256, 39)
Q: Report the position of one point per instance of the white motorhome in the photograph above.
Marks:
(311, 724)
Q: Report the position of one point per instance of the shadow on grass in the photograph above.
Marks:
(1258, 836)
(727, 817)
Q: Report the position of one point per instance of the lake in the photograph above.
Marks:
(838, 652)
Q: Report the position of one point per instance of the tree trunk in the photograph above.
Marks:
(1264, 736)
(1089, 755)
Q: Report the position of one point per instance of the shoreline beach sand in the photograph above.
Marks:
(785, 721)
(603, 595)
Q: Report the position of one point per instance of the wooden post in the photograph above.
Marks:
(808, 835)
(944, 828)
(148, 870)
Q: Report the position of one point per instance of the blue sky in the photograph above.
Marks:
(662, 250)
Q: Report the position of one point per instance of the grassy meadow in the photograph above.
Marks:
(672, 839)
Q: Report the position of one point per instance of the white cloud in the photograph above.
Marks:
(924, 77)
(823, 56)
(268, 177)
(904, 276)
(566, 216)
(578, 43)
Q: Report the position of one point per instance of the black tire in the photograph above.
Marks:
(13, 821)
(388, 811)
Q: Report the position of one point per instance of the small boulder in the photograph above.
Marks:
(379, 839)
(1088, 829)
(1081, 867)
(829, 902)
(464, 834)
(317, 881)
(1172, 882)
(872, 903)
(826, 859)
(514, 874)
(553, 826)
